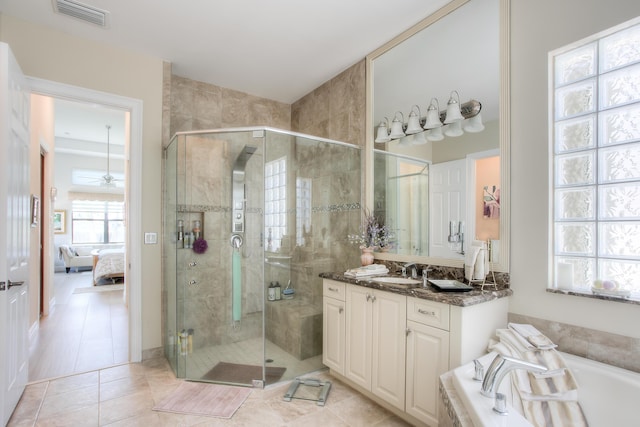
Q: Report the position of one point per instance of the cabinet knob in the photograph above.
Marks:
(407, 332)
(373, 298)
(368, 297)
(340, 310)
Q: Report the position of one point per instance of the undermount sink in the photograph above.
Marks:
(396, 280)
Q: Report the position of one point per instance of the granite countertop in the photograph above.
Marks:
(462, 299)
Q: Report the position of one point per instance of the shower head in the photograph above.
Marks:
(243, 158)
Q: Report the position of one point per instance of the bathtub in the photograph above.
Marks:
(609, 396)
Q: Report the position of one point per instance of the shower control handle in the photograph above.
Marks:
(193, 282)
(193, 264)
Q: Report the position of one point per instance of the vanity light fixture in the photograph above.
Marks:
(433, 115)
(383, 132)
(413, 125)
(397, 126)
(454, 121)
(474, 124)
(453, 109)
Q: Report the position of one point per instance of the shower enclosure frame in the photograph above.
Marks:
(309, 154)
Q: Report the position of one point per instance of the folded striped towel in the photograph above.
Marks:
(532, 335)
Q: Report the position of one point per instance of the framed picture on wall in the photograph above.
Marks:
(59, 220)
(35, 210)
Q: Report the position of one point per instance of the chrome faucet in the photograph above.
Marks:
(500, 367)
(414, 271)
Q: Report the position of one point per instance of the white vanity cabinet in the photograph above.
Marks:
(376, 342)
(333, 325)
(394, 347)
(427, 356)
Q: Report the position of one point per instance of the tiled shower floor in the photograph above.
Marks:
(249, 352)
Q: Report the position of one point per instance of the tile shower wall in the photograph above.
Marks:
(613, 349)
(336, 109)
(204, 170)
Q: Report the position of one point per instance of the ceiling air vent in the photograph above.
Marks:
(83, 12)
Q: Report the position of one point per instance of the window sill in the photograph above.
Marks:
(631, 300)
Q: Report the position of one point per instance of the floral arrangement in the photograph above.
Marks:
(372, 234)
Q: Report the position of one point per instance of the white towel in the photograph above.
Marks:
(476, 262)
(368, 270)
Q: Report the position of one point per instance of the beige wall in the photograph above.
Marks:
(41, 138)
(537, 28)
(55, 56)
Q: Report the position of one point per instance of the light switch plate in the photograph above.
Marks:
(150, 238)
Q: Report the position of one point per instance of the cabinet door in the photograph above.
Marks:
(358, 335)
(389, 322)
(427, 359)
(333, 328)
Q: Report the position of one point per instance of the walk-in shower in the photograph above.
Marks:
(273, 210)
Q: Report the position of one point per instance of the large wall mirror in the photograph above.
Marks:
(432, 184)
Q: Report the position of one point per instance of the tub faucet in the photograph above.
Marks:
(414, 271)
(500, 367)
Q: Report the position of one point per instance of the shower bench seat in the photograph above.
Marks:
(295, 326)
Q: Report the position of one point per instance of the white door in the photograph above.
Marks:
(15, 217)
(447, 196)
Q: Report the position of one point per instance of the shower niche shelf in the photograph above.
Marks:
(192, 224)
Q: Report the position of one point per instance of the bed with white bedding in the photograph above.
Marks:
(109, 267)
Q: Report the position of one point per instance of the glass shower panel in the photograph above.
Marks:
(274, 209)
(312, 196)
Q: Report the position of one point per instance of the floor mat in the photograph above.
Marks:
(211, 400)
(103, 288)
(242, 374)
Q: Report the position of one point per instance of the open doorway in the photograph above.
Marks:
(87, 326)
(132, 155)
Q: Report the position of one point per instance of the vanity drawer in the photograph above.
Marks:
(333, 289)
(429, 313)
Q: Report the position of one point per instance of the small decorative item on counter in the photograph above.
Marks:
(373, 235)
(366, 258)
(200, 246)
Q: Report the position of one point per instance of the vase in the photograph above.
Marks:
(367, 256)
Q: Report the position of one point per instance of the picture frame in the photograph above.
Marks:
(35, 211)
(59, 221)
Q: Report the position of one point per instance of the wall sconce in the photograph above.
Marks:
(53, 194)
(413, 125)
(454, 121)
(397, 126)
(383, 131)
(456, 236)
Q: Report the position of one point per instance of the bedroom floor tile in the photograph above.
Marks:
(83, 332)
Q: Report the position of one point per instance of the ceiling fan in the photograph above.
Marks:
(93, 177)
(108, 180)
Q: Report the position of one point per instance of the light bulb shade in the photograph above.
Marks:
(474, 124)
(396, 128)
(383, 134)
(453, 110)
(435, 134)
(433, 115)
(413, 124)
(419, 139)
(454, 129)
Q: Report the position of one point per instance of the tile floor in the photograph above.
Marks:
(62, 393)
(125, 395)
